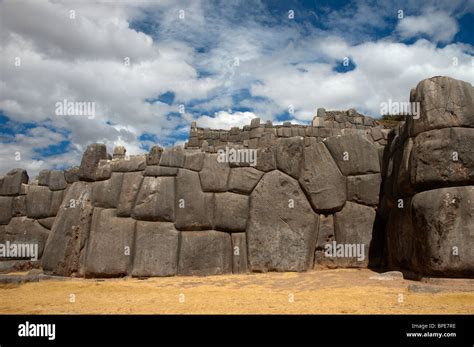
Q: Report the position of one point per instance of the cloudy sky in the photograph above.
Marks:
(152, 67)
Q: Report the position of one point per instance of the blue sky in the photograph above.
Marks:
(152, 67)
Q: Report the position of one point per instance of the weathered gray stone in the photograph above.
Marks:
(90, 160)
(289, 156)
(129, 164)
(119, 152)
(214, 174)
(325, 236)
(104, 170)
(354, 226)
(65, 250)
(43, 178)
(230, 212)
(57, 180)
(266, 159)
(106, 194)
(6, 203)
(321, 180)
(205, 253)
(321, 112)
(444, 102)
(12, 181)
(109, 251)
(72, 174)
(154, 156)
(156, 200)
(194, 209)
(364, 189)
(156, 171)
(244, 180)
(56, 200)
(254, 123)
(38, 202)
(173, 157)
(239, 253)
(194, 160)
(354, 154)
(156, 249)
(128, 194)
(442, 158)
(282, 228)
(19, 206)
(403, 186)
(444, 224)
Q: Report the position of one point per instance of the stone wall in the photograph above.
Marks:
(428, 183)
(184, 211)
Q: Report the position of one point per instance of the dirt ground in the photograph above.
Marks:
(338, 291)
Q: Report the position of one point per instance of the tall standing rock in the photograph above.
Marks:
(65, 250)
(90, 161)
(321, 180)
(12, 181)
(282, 227)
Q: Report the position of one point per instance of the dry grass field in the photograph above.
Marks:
(342, 291)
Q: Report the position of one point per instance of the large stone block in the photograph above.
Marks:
(194, 209)
(289, 155)
(444, 224)
(239, 253)
(90, 161)
(129, 164)
(321, 180)
(194, 160)
(156, 200)
(244, 180)
(12, 182)
(154, 156)
(444, 102)
(442, 158)
(128, 194)
(266, 160)
(6, 204)
(72, 174)
(354, 226)
(57, 181)
(364, 189)
(106, 194)
(156, 249)
(173, 157)
(325, 236)
(230, 211)
(354, 154)
(214, 174)
(65, 250)
(157, 171)
(19, 206)
(205, 253)
(110, 246)
(282, 227)
(39, 202)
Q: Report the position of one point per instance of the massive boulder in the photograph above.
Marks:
(214, 174)
(444, 102)
(65, 250)
(353, 225)
(106, 193)
(289, 155)
(442, 158)
(128, 194)
(11, 183)
(42, 202)
(230, 211)
(173, 157)
(129, 164)
(205, 253)
(354, 154)
(156, 200)
(364, 189)
(90, 161)
(321, 180)
(244, 179)
(194, 209)
(282, 227)
(156, 249)
(444, 224)
(110, 246)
